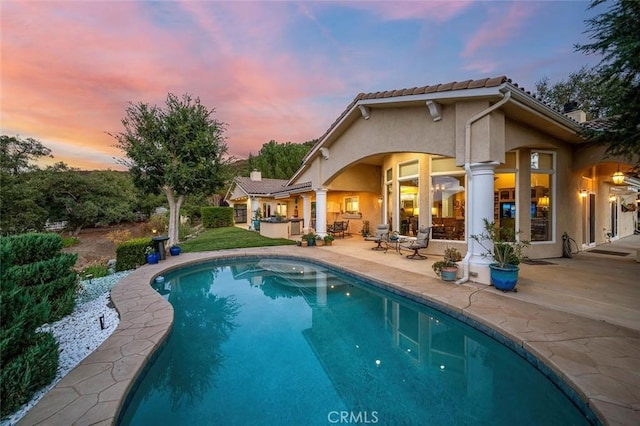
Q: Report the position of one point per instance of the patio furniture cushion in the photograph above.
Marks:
(381, 235)
(337, 229)
(421, 242)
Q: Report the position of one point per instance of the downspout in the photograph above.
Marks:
(467, 168)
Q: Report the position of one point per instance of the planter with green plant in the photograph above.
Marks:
(505, 251)
(447, 269)
(310, 239)
(257, 215)
(328, 240)
(152, 256)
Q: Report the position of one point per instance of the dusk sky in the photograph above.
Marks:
(273, 70)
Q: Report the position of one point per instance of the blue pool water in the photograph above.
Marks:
(280, 342)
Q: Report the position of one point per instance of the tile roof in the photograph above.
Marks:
(438, 88)
(298, 187)
(260, 187)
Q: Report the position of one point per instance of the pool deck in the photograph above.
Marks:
(580, 316)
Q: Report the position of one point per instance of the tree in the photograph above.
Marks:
(177, 150)
(20, 209)
(88, 198)
(614, 35)
(17, 155)
(279, 161)
(582, 88)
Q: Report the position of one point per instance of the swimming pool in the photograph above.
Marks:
(276, 341)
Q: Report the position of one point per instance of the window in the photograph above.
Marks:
(447, 200)
(281, 210)
(542, 201)
(448, 207)
(409, 188)
(351, 205)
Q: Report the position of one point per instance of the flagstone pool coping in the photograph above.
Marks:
(596, 362)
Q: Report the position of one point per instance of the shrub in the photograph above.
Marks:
(33, 247)
(119, 236)
(32, 294)
(130, 254)
(23, 375)
(96, 271)
(42, 271)
(217, 217)
(157, 222)
(70, 241)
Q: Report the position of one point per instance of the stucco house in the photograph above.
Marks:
(247, 195)
(449, 155)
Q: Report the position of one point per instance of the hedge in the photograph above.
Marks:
(33, 247)
(23, 375)
(38, 286)
(217, 217)
(130, 254)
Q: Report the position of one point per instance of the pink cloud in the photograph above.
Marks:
(500, 28)
(76, 66)
(435, 10)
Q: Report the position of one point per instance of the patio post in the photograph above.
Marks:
(321, 212)
(481, 207)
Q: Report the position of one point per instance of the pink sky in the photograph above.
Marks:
(272, 70)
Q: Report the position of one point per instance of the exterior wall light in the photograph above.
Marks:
(583, 193)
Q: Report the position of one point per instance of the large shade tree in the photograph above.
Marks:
(177, 150)
(279, 161)
(615, 34)
(21, 206)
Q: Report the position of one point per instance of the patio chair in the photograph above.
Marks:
(381, 235)
(421, 242)
(337, 229)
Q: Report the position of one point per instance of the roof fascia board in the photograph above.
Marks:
(451, 94)
(537, 107)
(435, 96)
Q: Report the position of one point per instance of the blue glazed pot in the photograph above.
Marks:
(174, 250)
(153, 258)
(504, 279)
(448, 274)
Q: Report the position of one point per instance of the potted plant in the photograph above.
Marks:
(328, 240)
(447, 269)
(319, 241)
(365, 228)
(310, 238)
(506, 253)
(152, 256)
(257, 215)
(175, 250)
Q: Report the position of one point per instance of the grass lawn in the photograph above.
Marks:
(230, 238)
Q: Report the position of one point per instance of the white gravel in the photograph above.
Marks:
(79, 333)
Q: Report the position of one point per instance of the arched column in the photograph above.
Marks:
(481, 207)
(321, 212)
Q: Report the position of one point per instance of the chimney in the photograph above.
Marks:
(256, 176)
(579, 115)
(571, 110)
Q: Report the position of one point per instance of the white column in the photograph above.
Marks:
(481, 196)
(255, 205)
(321, 288)
(306, 216)
(321, 212)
